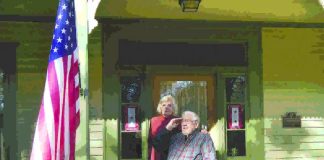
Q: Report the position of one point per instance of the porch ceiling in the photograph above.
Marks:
(248, 10)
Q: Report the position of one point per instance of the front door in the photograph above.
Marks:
(191, 92)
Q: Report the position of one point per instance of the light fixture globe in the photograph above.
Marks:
(189, 5)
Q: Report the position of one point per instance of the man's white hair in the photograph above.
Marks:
(193, 115)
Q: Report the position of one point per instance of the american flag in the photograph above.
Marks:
(59, 115)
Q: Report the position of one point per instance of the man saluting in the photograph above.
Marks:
(190, 143)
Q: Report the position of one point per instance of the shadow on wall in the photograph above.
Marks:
(303, 142)
(112, 140)
(26, 124)
(80, 151)
(254, 137)
(278, 138)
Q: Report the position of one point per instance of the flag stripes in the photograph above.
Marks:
(59, 114)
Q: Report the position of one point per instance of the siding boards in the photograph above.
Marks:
(294, 139)
(294, 146)
(306, 142)
(34, 44)
(96, 131)
(294, 132)
(302, 154)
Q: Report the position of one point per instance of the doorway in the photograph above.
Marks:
(191, 92)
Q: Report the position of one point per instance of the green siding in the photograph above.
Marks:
(34, 41)
(95, 73)
(293, 82)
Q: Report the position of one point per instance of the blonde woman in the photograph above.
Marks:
(166, 112)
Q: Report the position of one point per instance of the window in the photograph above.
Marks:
(131, 139)
(2, 76)
(191, 92)
(2, 153)
(8, 108)
(235, 95)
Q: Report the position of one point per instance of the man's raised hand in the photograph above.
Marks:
(173, 123)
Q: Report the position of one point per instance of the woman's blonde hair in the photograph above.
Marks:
(167, 98)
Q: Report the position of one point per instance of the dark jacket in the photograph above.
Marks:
(161, 142)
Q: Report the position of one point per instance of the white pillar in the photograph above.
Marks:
(82, 137)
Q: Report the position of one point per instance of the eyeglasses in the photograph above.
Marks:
(187, 121)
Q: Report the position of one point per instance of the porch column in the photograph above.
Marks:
(82, 137)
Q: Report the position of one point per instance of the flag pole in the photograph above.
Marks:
(82, 137)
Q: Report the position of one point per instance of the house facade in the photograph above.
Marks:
(253, 71)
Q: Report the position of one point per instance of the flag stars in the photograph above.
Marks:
(64, 35)
(59, 40)
(63, 31)
(60, 17)
(60, 51)
(55, 50)
(64, 7)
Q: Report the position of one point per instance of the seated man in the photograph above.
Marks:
(190, 143)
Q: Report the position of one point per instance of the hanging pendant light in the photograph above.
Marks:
(189, 5)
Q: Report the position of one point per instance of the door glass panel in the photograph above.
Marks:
(131, 89)
(235, 89)
(235, 104)
(189, 95)
(131, 134)
(2, 149)
(1, 90)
